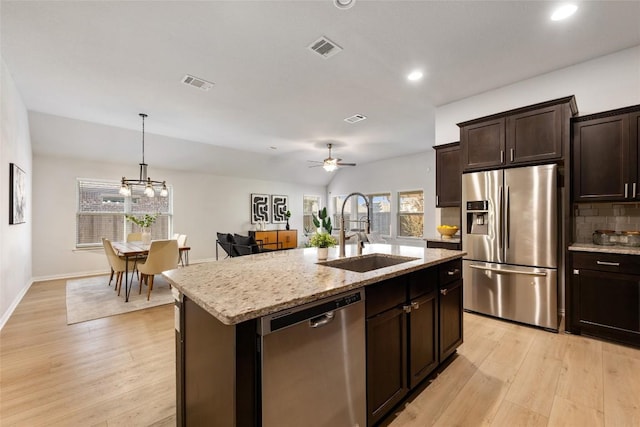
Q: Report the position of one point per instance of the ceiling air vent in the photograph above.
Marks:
(196, 82)
(355, 118)
(325, 47)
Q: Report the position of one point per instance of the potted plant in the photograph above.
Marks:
(322, 221)
(323, 241)
(144, 223)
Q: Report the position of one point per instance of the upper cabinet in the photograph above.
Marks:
(527, 135)
(448, 175)
(606, 156)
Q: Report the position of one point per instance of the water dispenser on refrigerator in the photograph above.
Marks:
(477, 217)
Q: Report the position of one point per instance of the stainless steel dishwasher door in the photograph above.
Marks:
(313, 364)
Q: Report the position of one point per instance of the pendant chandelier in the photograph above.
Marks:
(143, 180)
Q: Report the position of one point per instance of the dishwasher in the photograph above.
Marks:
(313, 364)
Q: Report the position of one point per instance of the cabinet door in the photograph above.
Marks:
(608, 304)
(534, 136)
(423, 337)
(634, 146)
(268, 238)
(450, 307)
(448, 176)
(288, 239)
(483, 144)
(386, 363)
(601, 159)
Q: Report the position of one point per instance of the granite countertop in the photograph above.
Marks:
(591, 247)
(238, 289)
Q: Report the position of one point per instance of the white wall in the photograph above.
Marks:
(414, 172)
(605, 83)
(203, 204)
(15, 240)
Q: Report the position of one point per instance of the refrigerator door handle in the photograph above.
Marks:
(500, 213)
(507, 217)
(502, 270)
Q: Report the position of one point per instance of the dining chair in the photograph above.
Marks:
(182, 242)
(134, 237)
(118, 264)
(163, 255)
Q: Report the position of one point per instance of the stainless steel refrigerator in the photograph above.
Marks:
(510, 233)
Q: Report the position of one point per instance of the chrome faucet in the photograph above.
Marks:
(343, 237)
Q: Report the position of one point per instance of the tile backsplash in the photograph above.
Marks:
(450, 216)
(604, 216)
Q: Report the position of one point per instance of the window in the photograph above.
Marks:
(380, 213)
(380, 205)
(337, 202)
(310, 206)
(101, 212)
(410, 213)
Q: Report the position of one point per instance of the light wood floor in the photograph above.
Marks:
(121, 371)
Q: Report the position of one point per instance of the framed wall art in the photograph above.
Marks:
(17, 195)
(279, 206)
(260, 204)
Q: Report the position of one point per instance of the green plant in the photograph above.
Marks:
(144, 222)
(322, 240)
(288, 214)
(326, 220)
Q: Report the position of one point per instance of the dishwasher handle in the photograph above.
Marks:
(320, 321)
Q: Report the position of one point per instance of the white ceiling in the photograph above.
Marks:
(106, 61)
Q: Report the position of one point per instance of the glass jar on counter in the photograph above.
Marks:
(604, 237)
(630, 238)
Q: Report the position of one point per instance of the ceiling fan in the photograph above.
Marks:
(330, 164)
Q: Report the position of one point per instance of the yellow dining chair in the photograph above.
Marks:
(163, 255)
(134, 237)
(118, 264)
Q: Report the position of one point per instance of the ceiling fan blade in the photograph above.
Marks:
(346, 164)
(315, 161)
(316, 166)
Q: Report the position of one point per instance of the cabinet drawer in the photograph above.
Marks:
(614, 263)
(422, 282)
(455, 246)
(450, 271)
(385, 295)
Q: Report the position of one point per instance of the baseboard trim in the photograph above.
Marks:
(14, 304)
(70, 275)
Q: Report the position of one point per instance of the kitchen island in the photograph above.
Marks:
(219, 307)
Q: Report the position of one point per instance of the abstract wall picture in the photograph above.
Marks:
(279, 206)
(259, 208)
(17, 195)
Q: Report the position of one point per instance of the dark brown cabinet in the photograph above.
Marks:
(413, 325)
(605, 291)
(527, 135)
(450, 308)
(448, 175)
(605, 157)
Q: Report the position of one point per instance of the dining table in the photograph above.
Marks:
(136, 250)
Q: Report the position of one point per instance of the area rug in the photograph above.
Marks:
(92, 298)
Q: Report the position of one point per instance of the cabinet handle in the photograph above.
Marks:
(501, 156)
(576, 272)
(511, 150)
(626, 190)
(613, 264)
(406, 308)
(633, 191)
(415, 305)
(453, 272)
(444, 291)
(437, 200)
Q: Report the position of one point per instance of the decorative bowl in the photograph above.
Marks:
(446, 231)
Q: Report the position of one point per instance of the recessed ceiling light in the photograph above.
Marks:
(415, 76)
(344, 4)
(563, 12)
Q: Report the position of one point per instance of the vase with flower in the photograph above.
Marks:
(145, 222)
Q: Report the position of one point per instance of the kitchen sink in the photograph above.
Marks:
(364, 263)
